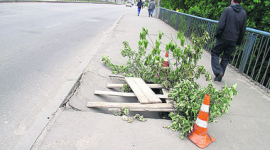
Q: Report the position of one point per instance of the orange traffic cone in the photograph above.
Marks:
(166, 60)
(199, 135)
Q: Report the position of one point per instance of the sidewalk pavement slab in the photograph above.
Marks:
(246, 127)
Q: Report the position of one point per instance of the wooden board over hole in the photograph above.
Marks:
(135, 106)
(144, 94)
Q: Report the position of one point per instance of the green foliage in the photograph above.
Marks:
(126, 88)
(257, 10)
(124, 112)
(258, 13)
(188, 97)
(139, 117)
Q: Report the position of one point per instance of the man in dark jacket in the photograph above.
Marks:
(151, 8)
(230, 32)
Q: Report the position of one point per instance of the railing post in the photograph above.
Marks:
(247, 49)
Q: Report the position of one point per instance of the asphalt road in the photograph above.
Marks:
(41, 44)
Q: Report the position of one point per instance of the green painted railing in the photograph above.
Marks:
(251, 58)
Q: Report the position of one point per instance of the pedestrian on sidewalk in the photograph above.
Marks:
(139, 6)
(151, 8)
(230, 32)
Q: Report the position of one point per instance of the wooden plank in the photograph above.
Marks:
(145, 109)
(151, 96)
(152, 86)
(137, 90)
(111, 93)
(155, 86)
(129, 105)
(166, 92)
(162, 96)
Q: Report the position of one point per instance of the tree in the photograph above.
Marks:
(258, 11)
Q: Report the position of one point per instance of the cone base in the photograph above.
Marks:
(200, 140)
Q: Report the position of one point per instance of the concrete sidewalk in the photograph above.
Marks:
(245, 128)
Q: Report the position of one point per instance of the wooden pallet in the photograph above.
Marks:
(148, 100)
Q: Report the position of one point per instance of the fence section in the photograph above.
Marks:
(251, 58)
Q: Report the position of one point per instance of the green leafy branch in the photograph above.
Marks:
(124, 112)
(189, 98)
(149, 66)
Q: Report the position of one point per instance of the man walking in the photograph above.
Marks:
(230, 32)
(151, 8)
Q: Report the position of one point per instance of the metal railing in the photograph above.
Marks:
(251, 58)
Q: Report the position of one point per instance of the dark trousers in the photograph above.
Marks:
(222, 46)
(139, 10)
(151, 11)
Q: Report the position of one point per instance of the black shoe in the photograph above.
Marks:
(219, 77)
